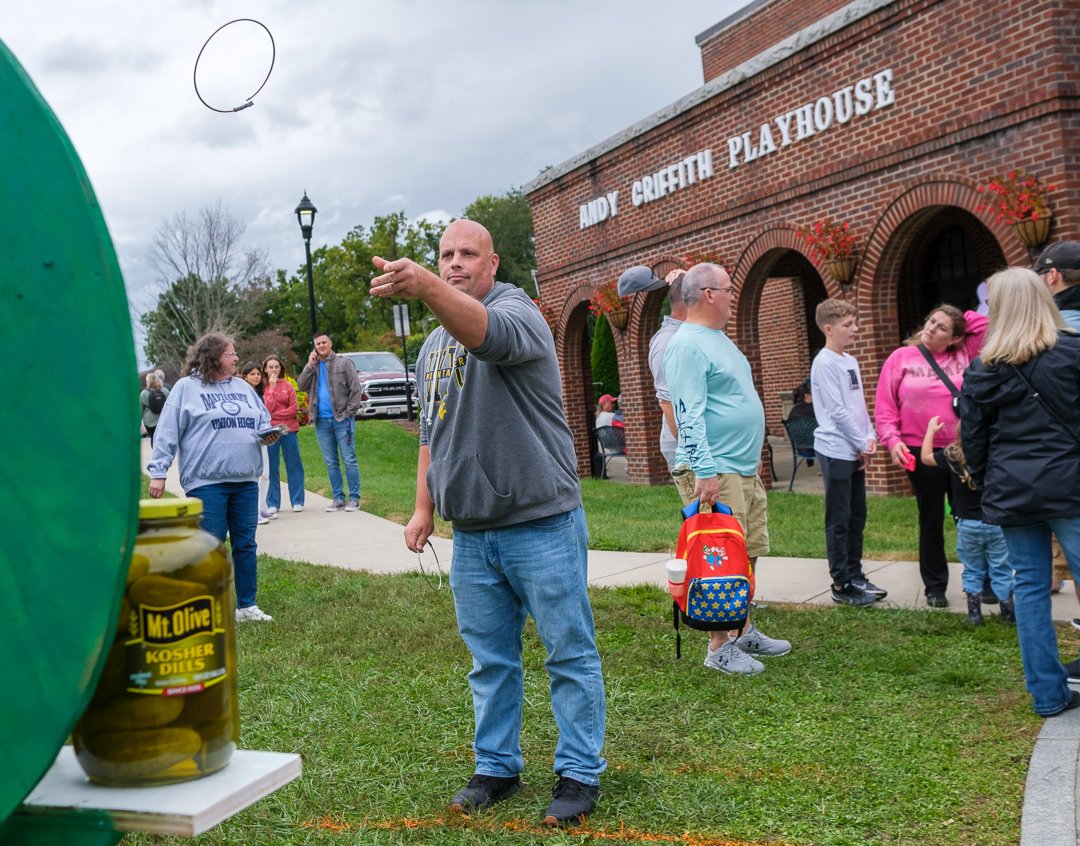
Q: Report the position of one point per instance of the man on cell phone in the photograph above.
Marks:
(334, 393)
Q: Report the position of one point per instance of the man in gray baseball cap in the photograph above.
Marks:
(638, 278)
(1059, 266)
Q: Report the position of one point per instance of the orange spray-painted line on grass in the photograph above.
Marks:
(622, 834)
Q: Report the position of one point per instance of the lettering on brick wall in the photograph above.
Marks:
(865, 96)
(598, 210)
(672, 178)
(842, 106)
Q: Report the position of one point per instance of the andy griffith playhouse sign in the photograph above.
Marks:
(852, 101)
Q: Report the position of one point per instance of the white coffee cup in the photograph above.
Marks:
(676, 574)
(676, 570)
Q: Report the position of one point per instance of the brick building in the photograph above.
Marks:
(886, 114)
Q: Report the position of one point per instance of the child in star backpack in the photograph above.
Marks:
(980, 546)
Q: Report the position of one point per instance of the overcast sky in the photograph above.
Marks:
(372, 107)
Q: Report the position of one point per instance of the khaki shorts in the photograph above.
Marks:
(744, 495)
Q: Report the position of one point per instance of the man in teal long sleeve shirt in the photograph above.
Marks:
(721, 431)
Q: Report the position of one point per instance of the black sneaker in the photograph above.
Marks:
(1074, 702)
(573, 802)
(1073, 669)
(938, 600)
(865, 584)
(484, 790)
(850, 594)
(988, 596)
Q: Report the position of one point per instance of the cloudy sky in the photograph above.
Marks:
(413, 105)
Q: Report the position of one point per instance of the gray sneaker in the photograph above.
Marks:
(336, 505)
(869, 587)
(733, 661)
(755, 642)
(354, 505)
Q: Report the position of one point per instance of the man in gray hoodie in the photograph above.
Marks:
(497, 460)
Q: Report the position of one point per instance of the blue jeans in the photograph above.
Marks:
(289, 446)
(232, 508)
(334, 434)
(498, 576)
(982, 550)
(1029, 548)
(845, 517)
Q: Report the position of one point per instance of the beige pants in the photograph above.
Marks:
(744, 495)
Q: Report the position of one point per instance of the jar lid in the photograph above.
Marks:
(156, 509)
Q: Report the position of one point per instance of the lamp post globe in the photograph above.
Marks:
(305, 214)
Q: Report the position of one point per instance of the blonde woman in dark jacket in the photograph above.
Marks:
(1020, 419)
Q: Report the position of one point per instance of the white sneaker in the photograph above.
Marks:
(271, 513)
(252, 612)
(263, 519)
(298, 508)
(733, 661)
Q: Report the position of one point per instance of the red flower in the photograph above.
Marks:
(1019, 197)
(607, 299)
(829, 239)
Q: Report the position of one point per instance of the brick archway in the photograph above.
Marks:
(571, 334)
(898, 232)
(893, 236)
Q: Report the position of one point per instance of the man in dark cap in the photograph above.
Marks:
(641, 278)
(1059, 266)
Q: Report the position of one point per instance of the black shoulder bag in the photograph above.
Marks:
(929, 356)
(1049, 408)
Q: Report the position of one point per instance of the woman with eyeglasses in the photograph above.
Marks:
(210, 423)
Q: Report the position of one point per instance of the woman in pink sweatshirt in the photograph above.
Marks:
(280, 399)
(909, 393)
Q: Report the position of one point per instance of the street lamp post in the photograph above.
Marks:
(305, 213)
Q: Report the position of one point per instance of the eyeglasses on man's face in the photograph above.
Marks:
(730, 289)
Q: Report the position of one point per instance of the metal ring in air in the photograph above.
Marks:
(248, 103)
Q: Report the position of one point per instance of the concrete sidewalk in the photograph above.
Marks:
(362, 541)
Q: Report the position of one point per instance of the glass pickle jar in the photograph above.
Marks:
(165, 708)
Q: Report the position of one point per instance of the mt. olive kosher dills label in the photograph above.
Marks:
(177, 649)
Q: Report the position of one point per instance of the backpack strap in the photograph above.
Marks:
(678, 636)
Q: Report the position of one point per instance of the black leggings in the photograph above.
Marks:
(931, 486)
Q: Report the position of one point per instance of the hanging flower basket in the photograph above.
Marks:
(842, 269)
(829, 239)
(1021, 200)
(1033, 233)
(607, 302)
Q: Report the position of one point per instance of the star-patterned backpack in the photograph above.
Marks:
(719, 578)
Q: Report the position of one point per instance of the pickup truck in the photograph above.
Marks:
(384, 384)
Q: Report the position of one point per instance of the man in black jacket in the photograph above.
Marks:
(1059, 267)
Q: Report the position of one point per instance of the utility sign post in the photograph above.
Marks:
(401, 329)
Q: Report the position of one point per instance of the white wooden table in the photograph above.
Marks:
(188, 808)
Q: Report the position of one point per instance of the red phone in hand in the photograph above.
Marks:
(909, 462)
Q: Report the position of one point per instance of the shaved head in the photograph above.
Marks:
(467, 258)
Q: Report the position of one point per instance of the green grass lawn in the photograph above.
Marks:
(634, 518)
(891, 727)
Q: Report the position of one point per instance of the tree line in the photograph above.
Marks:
(208, 283)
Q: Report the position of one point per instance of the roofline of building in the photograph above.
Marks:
(730, 21)
(780, 51)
